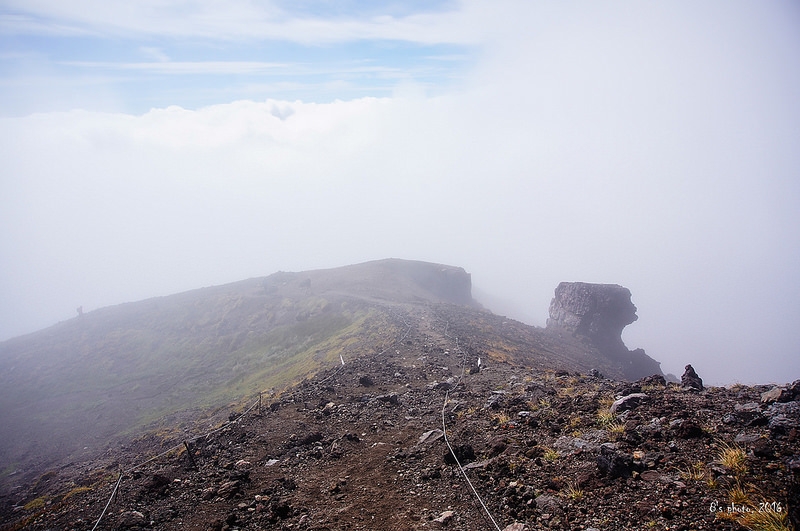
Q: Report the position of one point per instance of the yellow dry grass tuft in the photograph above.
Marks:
(766, 520)
(738, 495)
(605, 418)
(734, 459)
(696, 472)
(573, 493)
(550, 455)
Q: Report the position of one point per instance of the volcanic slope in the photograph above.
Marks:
(87, 385)
(364, 445)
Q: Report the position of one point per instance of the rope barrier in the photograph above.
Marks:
(321, 382)
(447, 440)
(162, 454)
(113, 493)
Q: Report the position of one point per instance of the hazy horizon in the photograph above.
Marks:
(152, 148)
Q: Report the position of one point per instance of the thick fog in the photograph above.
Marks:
(652, 145)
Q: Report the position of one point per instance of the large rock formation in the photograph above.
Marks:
(598, 313)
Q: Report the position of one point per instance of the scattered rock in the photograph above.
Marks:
(613, 463)
(777, 394)
(464, 453)
(628, 402)
(689, 429)
(445, 517)
(430, 436)
(131, 519)
(374, 453)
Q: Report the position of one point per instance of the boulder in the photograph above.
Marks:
(445, 517)
(653, 380)
(631, 401)
(228, 489)
(548, 503)
(613, 463)
(795, 390)
(690, 380)
(777, 394)
(430, 436)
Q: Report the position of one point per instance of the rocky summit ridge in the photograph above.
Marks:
(411, 394)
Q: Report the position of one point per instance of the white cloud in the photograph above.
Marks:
(236, 19)
(154, 53)
(645, 147)
(185, 67)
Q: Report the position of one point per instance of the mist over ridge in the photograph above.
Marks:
(149, 152)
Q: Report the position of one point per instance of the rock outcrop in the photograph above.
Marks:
(599, 313)
(690, 380)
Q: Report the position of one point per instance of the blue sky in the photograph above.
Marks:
(339, 50)
(157, 146)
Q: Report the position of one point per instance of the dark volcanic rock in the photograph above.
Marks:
(464, 453)
(690, 379)
(599, 313)
(596, 311)
(613, 463)
(627, 402)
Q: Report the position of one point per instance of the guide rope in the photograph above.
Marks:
(113, 493)
(447, 440)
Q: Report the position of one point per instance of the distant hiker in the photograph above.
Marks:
(80, 310)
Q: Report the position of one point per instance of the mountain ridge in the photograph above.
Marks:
(83, 386)
(372, 444)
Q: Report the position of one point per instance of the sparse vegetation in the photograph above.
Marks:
(696, 472)
(330, 450)
(760, 519)
(550, 455)
(76, 490)
(738, 495)
(734, 459)
(501, 418)
(573, 493)
(606, 419)
(36, 503)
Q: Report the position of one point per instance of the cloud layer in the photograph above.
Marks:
(650, 146)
